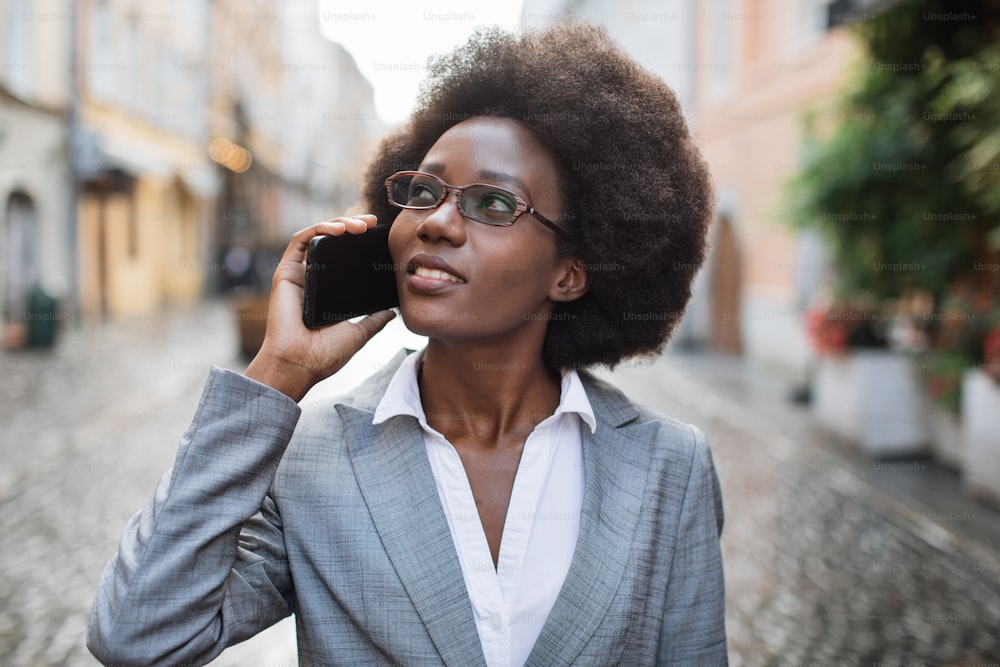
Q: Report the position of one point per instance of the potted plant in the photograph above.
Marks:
(247, 276)
(904, 186)
(952, 337)
(862, 390)
(981, 420)
(941, 373)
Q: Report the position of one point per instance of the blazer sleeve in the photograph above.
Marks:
(203, 565)
(694, 630)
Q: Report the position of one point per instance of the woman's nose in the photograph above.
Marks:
(444, 223)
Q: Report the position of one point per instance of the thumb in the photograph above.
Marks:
(345, 339)
(374, 323)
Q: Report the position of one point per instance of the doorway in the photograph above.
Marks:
(19, 256)
(725, 285)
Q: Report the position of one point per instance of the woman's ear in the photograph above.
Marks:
(572, 280)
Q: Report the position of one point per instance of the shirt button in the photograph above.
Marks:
(496, 622)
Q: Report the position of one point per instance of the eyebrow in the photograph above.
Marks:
(437, 169)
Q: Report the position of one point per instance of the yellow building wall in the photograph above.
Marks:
(88, 212)
(132, 269)
(181, 276)
(151, 249)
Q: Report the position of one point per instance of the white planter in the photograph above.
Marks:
(981, 428)
(946, 436)
(873, 398)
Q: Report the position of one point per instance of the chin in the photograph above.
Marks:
(437, 322)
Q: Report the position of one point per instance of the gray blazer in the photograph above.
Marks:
(267, 512)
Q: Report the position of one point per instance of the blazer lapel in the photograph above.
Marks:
(391, 465)
(398, 486)
(616, 463)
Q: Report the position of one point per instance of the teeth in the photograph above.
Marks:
(424, 272)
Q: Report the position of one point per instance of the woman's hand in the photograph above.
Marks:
(293, 357)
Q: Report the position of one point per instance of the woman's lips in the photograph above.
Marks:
(428, 274)
(437, 274)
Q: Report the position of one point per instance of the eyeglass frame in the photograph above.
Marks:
(447, 189)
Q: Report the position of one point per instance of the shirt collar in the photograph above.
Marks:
(402, 396)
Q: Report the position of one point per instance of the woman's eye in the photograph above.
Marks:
(420, 192)
(498, 201)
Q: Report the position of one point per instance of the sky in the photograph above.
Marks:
(391, 39)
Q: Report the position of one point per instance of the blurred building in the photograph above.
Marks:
(761, 67)
(245, 125)
(35, 184)
(328, 112)
(660, 35)
(145, 185)
(299, 106)
(153, 150)
(746, 72)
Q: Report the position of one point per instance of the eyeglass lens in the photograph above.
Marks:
(483, 203)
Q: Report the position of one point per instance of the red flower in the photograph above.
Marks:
(828, 335)
(829, 328)
(991, 354)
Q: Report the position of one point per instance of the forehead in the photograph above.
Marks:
(487, 144)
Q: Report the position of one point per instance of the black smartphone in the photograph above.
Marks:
(347, 276)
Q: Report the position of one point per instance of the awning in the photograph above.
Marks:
(96, 154)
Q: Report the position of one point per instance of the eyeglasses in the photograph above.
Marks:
(483, 203)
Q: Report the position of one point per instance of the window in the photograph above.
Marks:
(19, 270)
(133, 94)
(101, 68)
(18, 40)
(724, 33)
(812, 18)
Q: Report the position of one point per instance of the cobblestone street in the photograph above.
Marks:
(823, 567)
(828, 560)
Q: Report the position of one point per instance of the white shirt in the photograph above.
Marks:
(512, 602)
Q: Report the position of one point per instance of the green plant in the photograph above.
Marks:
(959, 332)
(941, 372)
(906, 190)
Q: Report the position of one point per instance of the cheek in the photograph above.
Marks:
(520, 273)
(399, 234)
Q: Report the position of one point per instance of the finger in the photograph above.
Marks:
(357, 224)
(334, 227)
(291, 266)
(299, 243)
(374, 323)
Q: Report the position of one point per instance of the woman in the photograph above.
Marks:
(548, 213)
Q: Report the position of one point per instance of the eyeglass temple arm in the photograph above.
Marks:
(548, 223)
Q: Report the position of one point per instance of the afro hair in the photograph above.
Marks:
(639, 196)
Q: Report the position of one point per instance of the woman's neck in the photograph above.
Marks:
(484, 393)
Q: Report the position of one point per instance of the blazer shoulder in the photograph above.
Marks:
(676, 438)
(684, 460)
(675, 434)
(681, 460)
(683, 447)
